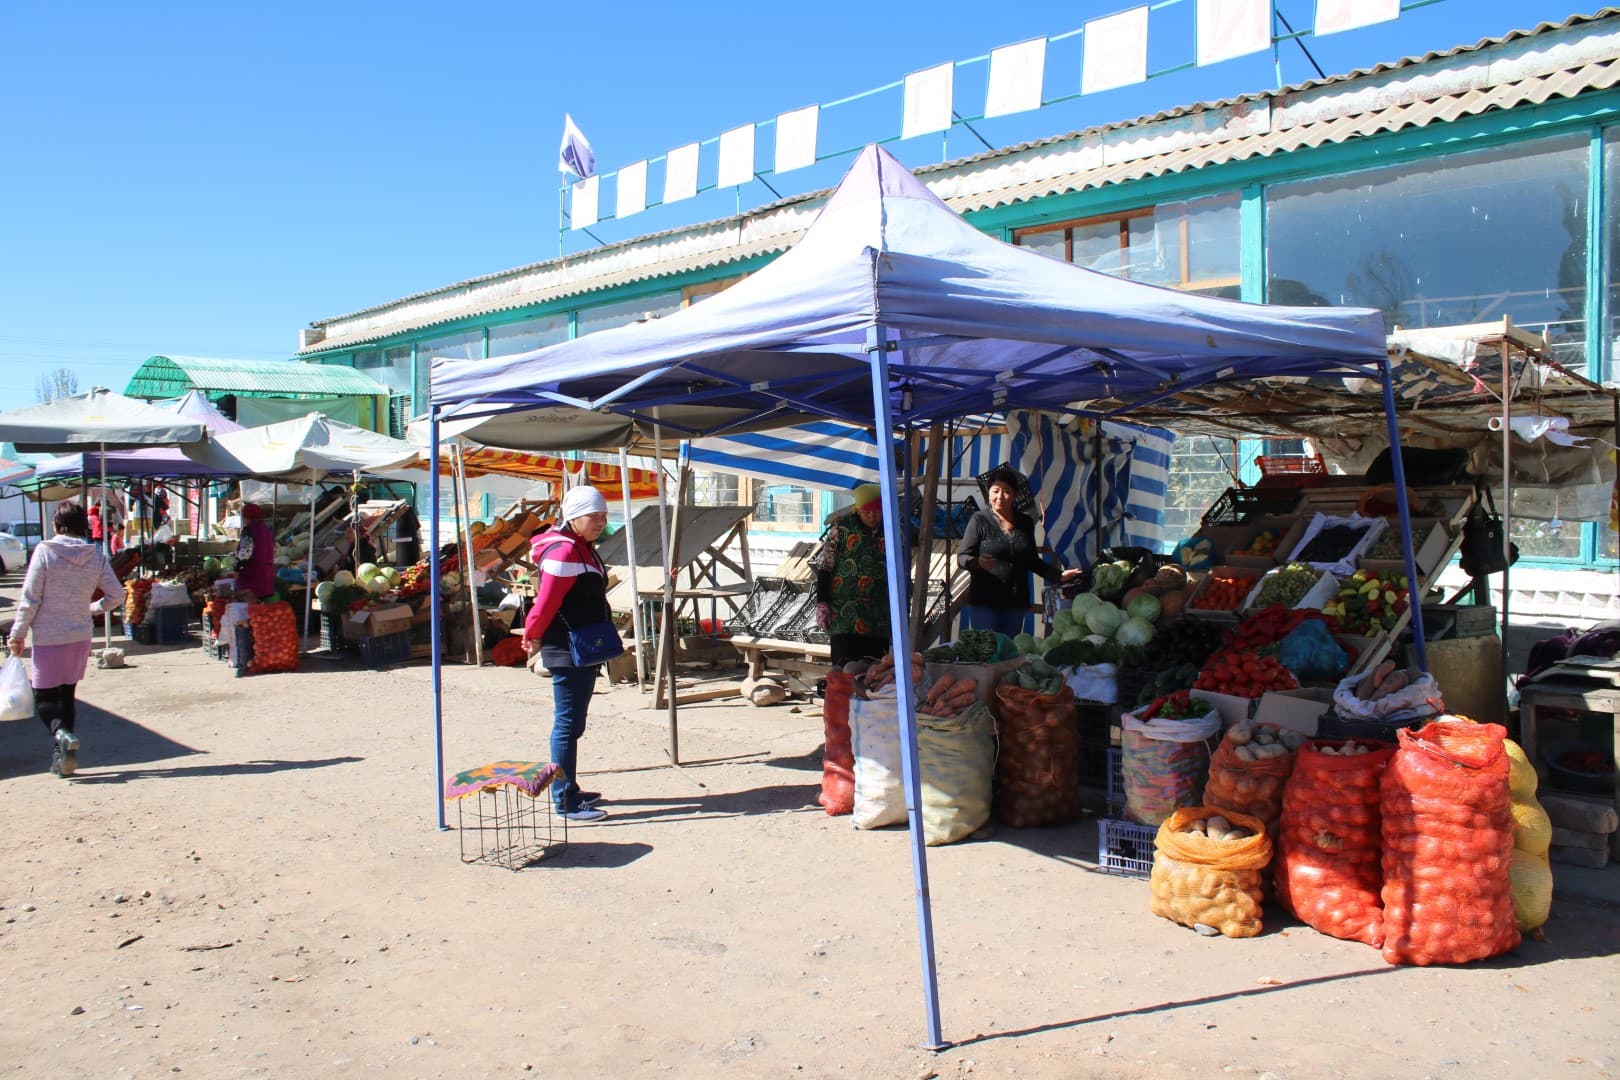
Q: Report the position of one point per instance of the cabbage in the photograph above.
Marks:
(1084, 603)
(325, 591)
(1095, 639)
(1134, 631)
(1062, 621)
(343, 578)
(1104, 619)
(1109, 578)
(365, 572)
(1144, 606)
(1027, 645)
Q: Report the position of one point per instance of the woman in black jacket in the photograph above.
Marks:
(999, 553)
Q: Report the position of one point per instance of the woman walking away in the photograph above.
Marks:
(56, 606)
(570, 593)
(999, 553)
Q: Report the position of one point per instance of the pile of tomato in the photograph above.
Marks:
(1223, 591)
(1244, 673)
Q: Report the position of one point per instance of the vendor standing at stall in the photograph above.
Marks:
(999, 553)
(852, 580)
(255, 554)
(407, 545)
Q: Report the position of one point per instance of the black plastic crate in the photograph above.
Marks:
(387, 649)
(332, 639)
(1238, 505)
(170, 625)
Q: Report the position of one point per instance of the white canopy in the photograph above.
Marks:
(99, 419)
(303, 450)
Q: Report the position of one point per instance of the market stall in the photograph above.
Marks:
(894, 311)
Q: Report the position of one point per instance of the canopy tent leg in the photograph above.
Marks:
(1414, 595)
(1507, 482)
(672, 623)
(309, 557)
(637, 624)
(433, 628)
(106, 532)
(895, 553)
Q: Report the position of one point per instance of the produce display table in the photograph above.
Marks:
(794, 657)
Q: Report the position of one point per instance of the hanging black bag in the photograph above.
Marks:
(1483, 532)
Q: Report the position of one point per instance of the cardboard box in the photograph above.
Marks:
(1429, 544)
(1231, 708)
(1288, 530)
(1219, 571)
(1296, 710)
(514, 545)
(378, 621)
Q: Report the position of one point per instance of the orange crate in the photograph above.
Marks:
(1291, 471)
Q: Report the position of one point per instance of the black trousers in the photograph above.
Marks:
(56, 708)
(847, 647)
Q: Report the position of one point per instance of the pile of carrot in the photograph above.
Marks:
(951, 695)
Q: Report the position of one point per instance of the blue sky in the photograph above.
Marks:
(204, 179)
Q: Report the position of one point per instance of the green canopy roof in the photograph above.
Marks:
(162, 377)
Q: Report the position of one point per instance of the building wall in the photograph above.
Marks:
(1472, 187)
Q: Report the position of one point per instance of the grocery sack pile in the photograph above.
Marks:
(1207, 871)
(1038, 772)
(1164, 757)
(1448, 846)
(838, 754)
(874, 724)
(1328, 869)
(956, 759)
(1250, 768)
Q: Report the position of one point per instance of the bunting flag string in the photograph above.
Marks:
(1114, 55)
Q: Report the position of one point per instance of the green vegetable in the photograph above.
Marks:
(1027, 645)
(1104, 619)
(1144, 606)
(1134, 631)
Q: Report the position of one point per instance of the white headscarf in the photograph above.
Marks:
(582, 500)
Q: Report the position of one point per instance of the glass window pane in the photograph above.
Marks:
(1096, 247)
(1214, 249)
(520, 337)
(1049, 242)
(607, 316)
(1155, 249)
(785, 504)
(1460, 239)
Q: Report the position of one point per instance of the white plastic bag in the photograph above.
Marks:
(874, 725)
(16, 696)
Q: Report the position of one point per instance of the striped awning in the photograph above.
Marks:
(558, 472)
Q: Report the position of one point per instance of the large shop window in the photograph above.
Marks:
(391, 367)
(1193, 246)
(1188, 245)
(1458, 239)
(467, 346)
(520, 337)
(785, 505)
(607, 316)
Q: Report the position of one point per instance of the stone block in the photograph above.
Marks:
(1592, 860)
(1584, 814)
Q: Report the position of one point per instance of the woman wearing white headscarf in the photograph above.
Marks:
(570, 591)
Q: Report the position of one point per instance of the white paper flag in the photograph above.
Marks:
(632, 194)
(1231, 28)
(927, 101)
(585, 202)
(680, 173)
(1116, 51)
(737, 156)
(796, 138)
(1333, 16)
(1016, 75)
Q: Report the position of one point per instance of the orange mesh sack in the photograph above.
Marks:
(1328, 870)
(1164, 764)
(1249, 771)
(838, 756)
(213, 611)
(1202, 877)
(1448, 846)
(1038, 772)
(275, 637)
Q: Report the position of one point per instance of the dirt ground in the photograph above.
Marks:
(246, 879)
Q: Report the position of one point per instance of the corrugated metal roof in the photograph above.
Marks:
(1525, 67)
(171, 376)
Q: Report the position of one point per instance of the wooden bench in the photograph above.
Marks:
(798, 658)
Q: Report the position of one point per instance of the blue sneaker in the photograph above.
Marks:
(589, 798)
(584, 813)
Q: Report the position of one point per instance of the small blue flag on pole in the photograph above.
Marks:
(575, 156)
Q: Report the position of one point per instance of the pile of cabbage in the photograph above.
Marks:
(1095, 631)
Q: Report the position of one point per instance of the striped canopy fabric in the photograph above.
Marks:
(559, 472)
(1057, 458)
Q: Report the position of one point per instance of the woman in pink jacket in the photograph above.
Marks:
(64, 573)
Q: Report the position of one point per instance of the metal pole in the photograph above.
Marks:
(636, 622)
(1507, 485)
(309, 558)
(433, 625)
(106, 532)
(1414, 594)
(667, 629)
(894, 545)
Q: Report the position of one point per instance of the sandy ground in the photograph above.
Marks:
(246, 880)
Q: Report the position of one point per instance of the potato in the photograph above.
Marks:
(1240, 734)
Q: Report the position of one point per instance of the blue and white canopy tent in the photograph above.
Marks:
(893, 312)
